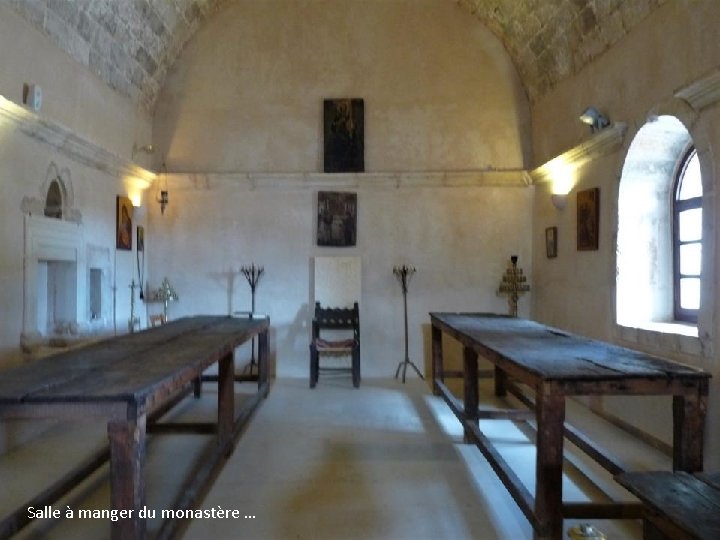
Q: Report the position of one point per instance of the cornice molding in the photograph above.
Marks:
(601, 143)
(67, 142)
(511, 178)
(703, 92)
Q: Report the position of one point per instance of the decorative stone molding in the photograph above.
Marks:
(387, 180)
(703, 92)
(70, 144)
(600, 144)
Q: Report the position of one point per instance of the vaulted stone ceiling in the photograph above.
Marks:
(130, 44)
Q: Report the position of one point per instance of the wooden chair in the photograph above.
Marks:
(333, 319)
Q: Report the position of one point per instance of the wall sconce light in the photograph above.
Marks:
(559, 200)
(162, 196)
(592, 117)
(147, 149)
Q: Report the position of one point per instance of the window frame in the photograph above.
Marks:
(679, 206)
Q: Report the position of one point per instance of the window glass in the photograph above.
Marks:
(691, 181)
(690, 259)
(690, 225)
(690, 293)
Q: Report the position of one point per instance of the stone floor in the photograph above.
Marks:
(385, 461)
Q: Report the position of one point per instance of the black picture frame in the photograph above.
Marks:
(588, 219)
(344, 135)
(336, 219)
(551, 242)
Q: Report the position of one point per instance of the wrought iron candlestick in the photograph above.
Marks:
(513, 284)
(404, 273)
(134, 321)
(252, 273)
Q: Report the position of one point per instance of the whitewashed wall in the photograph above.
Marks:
(459, 238)
(630, 83)
(242, 108)
(83, 128)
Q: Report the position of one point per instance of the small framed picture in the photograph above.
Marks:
(140, 238)
(124, 227)
(588, 217)
(551, 242)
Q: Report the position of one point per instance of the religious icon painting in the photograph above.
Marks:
(336, 219)
(344, 135)
(124, 226)
(551, 242)
(588, 219)
(140, 238)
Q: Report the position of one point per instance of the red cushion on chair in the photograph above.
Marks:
(325, 345)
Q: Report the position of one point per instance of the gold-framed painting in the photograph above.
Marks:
(123, 223)
(588, 219)
(140, 238)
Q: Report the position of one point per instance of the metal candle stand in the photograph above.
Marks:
(252, 273)
(403, 274)
(513, 284)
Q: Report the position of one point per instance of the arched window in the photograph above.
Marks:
(53, 201)
(659, 242)
(687, 237)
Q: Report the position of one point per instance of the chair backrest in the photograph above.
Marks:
(336, 319)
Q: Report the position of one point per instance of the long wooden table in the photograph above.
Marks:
(555, 364)
(125, 381)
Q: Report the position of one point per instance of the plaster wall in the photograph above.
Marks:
(246, 93)
(73, 96)
(459, 238)
(632, 81)
(245, 96)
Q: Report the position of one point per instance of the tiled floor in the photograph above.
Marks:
(384, 461)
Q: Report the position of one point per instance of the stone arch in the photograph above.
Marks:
(643, 263)
(55, 197)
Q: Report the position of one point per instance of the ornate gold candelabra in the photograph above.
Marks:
(165, 294)
(403, 274)
(252, 273)
(513, 284)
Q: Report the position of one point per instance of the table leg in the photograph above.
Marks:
(127, 483)
(470, 394)
(550, 415)
(263, 360)
(500, 382)
(226, 398)
(437, 359)
(688, 431)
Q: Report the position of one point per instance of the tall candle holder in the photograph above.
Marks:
(404, 273)
(252, 273)
(513, 284)
(166, 294)
(133, 321)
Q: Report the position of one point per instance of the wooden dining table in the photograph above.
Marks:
(552, 365)
(125, 381)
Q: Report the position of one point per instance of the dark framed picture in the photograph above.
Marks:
(336, 219)
(140, 238)
(123, 222)
(551, 242)
(344, 135)
(588, 219)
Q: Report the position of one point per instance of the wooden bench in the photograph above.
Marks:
(676, 505)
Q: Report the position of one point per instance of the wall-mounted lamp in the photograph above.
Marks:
(147, 149)
(592, 117)
(559, 200)
(162, 196)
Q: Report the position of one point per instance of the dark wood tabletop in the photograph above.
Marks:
(129, 368)
(553, 354)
